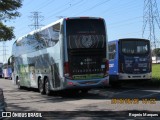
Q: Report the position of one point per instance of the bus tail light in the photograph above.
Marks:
(121, 67)
(107, 65)
(67, 18)
(66, 70)
(70, 83)
(107, 68)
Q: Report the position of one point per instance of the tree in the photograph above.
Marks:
(156, 52)
(8, 11)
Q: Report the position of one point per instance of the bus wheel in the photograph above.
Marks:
(41, 87)
(18, 84)
(47, 87)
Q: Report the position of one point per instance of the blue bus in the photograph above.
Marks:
(129, 59)
(67, 54)
(7, 71)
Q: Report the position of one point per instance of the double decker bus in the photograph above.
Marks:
(70, 53)
(129, 59)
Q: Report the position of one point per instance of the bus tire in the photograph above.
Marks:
(47, 87)
(18, 84)
(41, 87)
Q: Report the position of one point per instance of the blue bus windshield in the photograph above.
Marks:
(134, 47)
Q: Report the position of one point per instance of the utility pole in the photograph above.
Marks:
(36, 18)
(151, 22)
(4, 52)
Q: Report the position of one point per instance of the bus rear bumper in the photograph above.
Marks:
(92, 83)
(124, 76)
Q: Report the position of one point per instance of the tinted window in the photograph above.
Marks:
(85, 33)
(135, 47)
(112, 50)
(37, 41)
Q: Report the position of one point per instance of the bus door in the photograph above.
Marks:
(113, 58)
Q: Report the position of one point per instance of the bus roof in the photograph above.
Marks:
(133, 39)
(53, 23)
(128, 39)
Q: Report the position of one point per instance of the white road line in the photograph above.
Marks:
(149, 95)
(127, 91)
(157, 91)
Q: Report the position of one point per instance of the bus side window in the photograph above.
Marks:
(112, 51)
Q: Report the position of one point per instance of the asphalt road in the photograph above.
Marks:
(125, 101)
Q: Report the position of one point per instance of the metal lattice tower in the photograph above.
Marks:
(36, 17)
(151, 22)
(4, 52)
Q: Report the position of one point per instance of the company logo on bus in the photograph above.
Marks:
(87, 61)
(87, 41)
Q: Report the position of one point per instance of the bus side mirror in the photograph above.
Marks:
(10, 60)
(9, 63)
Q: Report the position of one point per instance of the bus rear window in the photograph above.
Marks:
(85, 33)
(135, 47)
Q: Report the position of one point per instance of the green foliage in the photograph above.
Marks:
(156, 52)
(7, 32)
(8, 10)
(155, 82)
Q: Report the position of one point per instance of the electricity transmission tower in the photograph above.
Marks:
(36, 18)
(4, 52)
(151, 22)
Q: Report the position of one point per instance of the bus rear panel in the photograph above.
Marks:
(86, 59)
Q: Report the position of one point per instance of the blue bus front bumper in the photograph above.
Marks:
(123, 76)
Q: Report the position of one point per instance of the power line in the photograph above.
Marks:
(151, 20)
(29, 3)
(120, 6)
(126, 20)
(63, 10)
(124, 25)
(44, 5)
(98, 4)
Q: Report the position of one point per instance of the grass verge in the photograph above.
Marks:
(155, 76)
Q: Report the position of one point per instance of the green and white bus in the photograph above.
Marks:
(70, 53)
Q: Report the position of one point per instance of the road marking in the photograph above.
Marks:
(149, 95)
(127, 91)
(152, 91)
